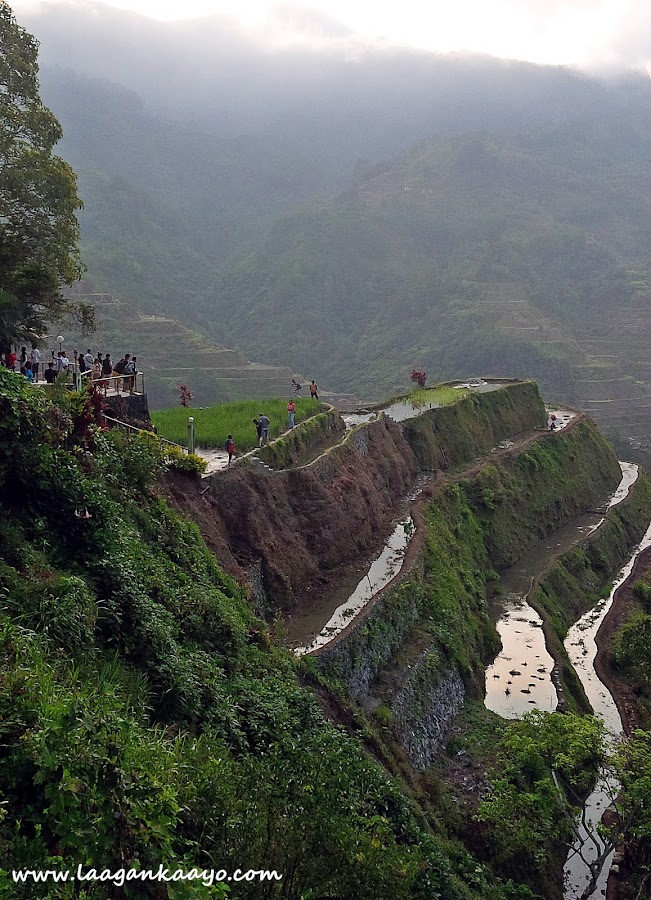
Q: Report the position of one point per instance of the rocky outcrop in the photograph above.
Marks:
(424, 708)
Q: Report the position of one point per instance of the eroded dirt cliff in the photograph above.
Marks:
(300, 525)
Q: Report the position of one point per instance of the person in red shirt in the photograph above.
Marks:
(291, 412)
(11, 361)
(229, 446)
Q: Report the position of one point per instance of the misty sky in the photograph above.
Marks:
(587, 33)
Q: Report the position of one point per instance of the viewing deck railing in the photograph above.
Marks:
(109, 385)
(115, 385)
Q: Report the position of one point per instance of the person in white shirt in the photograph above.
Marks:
(65, 362)
(35, 358)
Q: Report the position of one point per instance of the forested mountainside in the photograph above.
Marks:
(478, 253)
(170, 354)
(502, 251)
(165, 204)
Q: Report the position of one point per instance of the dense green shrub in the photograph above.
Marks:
(186, 462)
(145, 717)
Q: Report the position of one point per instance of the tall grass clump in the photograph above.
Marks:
(213, 424)
(437, 396)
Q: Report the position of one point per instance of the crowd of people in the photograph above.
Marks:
(99, 366)
(121, 374)
(28, 364)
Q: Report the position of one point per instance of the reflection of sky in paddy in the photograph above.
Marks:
(519, 625)
(581, 648)
(520, 677)
(380, 573)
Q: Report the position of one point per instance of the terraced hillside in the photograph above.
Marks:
(497, 254)
(170, 354)
(614, 383)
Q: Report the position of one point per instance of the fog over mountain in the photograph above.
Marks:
(221, 76)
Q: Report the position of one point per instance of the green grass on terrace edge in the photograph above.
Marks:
(213, 424)
(440, 395)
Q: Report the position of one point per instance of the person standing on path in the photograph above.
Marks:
(291, 412)
(35, 359)
(264, 429)
(229, 447)
(314, 390)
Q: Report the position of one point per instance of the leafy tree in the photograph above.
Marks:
(38, 197)
(549, 762)
(633, 806)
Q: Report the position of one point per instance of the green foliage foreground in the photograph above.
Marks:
(146, 718)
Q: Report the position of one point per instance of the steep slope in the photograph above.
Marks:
(147, 719)
(504, 254)
(165, 203)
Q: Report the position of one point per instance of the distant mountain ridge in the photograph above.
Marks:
(520, 255)
(165, 204)
(497, 252)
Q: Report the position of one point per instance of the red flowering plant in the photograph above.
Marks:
(185, 395)
(419, 377)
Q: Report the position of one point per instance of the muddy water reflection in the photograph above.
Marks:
(406, 409)
(520, 677)
(381, 571)
(519, 625)
(317, 627)
(581, 648)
